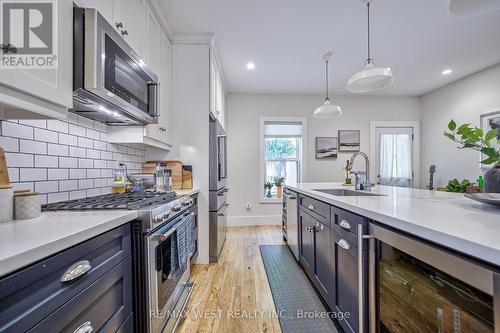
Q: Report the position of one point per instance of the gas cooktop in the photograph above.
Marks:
(129, 201)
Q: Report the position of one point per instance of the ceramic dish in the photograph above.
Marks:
(489, 198)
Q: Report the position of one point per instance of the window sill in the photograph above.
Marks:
(271, 201)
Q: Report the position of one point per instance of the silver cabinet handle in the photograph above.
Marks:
(321, 227)
(345, 224)
(317, 224)
(76, 270)
(124, 33)
(86, 327)
(311, 207)
(119, 25)
(310, 229)
(344, 244)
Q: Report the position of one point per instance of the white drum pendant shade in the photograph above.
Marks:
(472, 7)
(327, 110)
(370, 79)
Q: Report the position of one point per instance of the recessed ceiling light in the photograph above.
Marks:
(250, 66)
(446, 71)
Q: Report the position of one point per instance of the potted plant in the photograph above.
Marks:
(278, 182)
(469, 137)
(268, 186)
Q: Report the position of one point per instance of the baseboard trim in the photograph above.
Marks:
(238, 221)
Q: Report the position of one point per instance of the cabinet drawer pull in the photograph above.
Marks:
(310, 229)
(344, 244)
(124, 33)
(345, 224)
(321, 227)
(119, 25)
(311, 207)
(76, 270)
(86, 327)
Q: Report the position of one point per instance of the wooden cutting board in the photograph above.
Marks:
(4, 174)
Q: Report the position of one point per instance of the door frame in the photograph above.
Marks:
(416, 145)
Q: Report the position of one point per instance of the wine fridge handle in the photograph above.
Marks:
(361, 273)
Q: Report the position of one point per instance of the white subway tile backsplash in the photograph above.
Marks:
(85, 184)
(99, 164)
(77, 173)
(93, 192)
(32, 174)
(47, 136)
(85, 163)
(68, 162)
(57, 197)
(101, 145)
(77, 152)
(24, 186)
(57, 125)
(57, 174)
(92, 134)
(76, 130)
(33, 147)
(13, 174)
(47, 187)
(34, 123)
(85, 143)
(73, 195)
(66, 139)
(92, 153)
(58, 150)
(93, 173)
(64, 159)
(9, 144)
(19, 160)
(68, 185)
(43, 161)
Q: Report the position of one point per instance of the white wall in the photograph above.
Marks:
(244, 112)
(190, 133)
(464, 100)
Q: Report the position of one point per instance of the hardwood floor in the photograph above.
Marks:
(233, 295)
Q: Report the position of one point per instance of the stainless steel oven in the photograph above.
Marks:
(168, 274)
(112, 84)
(417, 287)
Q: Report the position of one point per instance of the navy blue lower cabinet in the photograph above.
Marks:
(306, 243)
(345, 250)
(102, 307)
(32, 294)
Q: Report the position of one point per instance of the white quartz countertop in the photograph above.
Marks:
(25, 242)
(446, 219)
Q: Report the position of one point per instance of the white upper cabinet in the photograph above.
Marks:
(157, 53)
(35, 93)
(126, 16)
(217, 92)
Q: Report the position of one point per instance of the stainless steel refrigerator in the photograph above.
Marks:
(218, 189)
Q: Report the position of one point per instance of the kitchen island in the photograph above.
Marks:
(447, 219)
(397, 257)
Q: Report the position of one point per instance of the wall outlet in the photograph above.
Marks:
(248, 205)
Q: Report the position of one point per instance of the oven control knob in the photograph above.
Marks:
(166, 215)
(177, 208)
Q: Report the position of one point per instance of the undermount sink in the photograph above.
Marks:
(348, 193)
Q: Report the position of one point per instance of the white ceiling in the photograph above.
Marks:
(287, 38)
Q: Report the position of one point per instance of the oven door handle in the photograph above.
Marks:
(164, 236)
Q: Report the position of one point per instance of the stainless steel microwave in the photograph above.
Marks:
(111, 83)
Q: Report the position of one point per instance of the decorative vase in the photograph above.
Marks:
(269, 195)
(279, 191)
(492, 180)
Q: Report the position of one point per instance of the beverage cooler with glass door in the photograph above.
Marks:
(415, 287)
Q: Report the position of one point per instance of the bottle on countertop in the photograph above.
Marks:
(480, 182)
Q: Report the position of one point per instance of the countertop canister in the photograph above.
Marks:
(6, 203)
(27, 205)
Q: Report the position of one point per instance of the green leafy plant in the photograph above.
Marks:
(278, 181)
(458, 186)
(471, 137)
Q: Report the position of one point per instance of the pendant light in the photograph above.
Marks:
(327, 110)
(371, 78)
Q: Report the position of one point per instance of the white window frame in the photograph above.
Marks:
(416, 146)
(303, 157)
